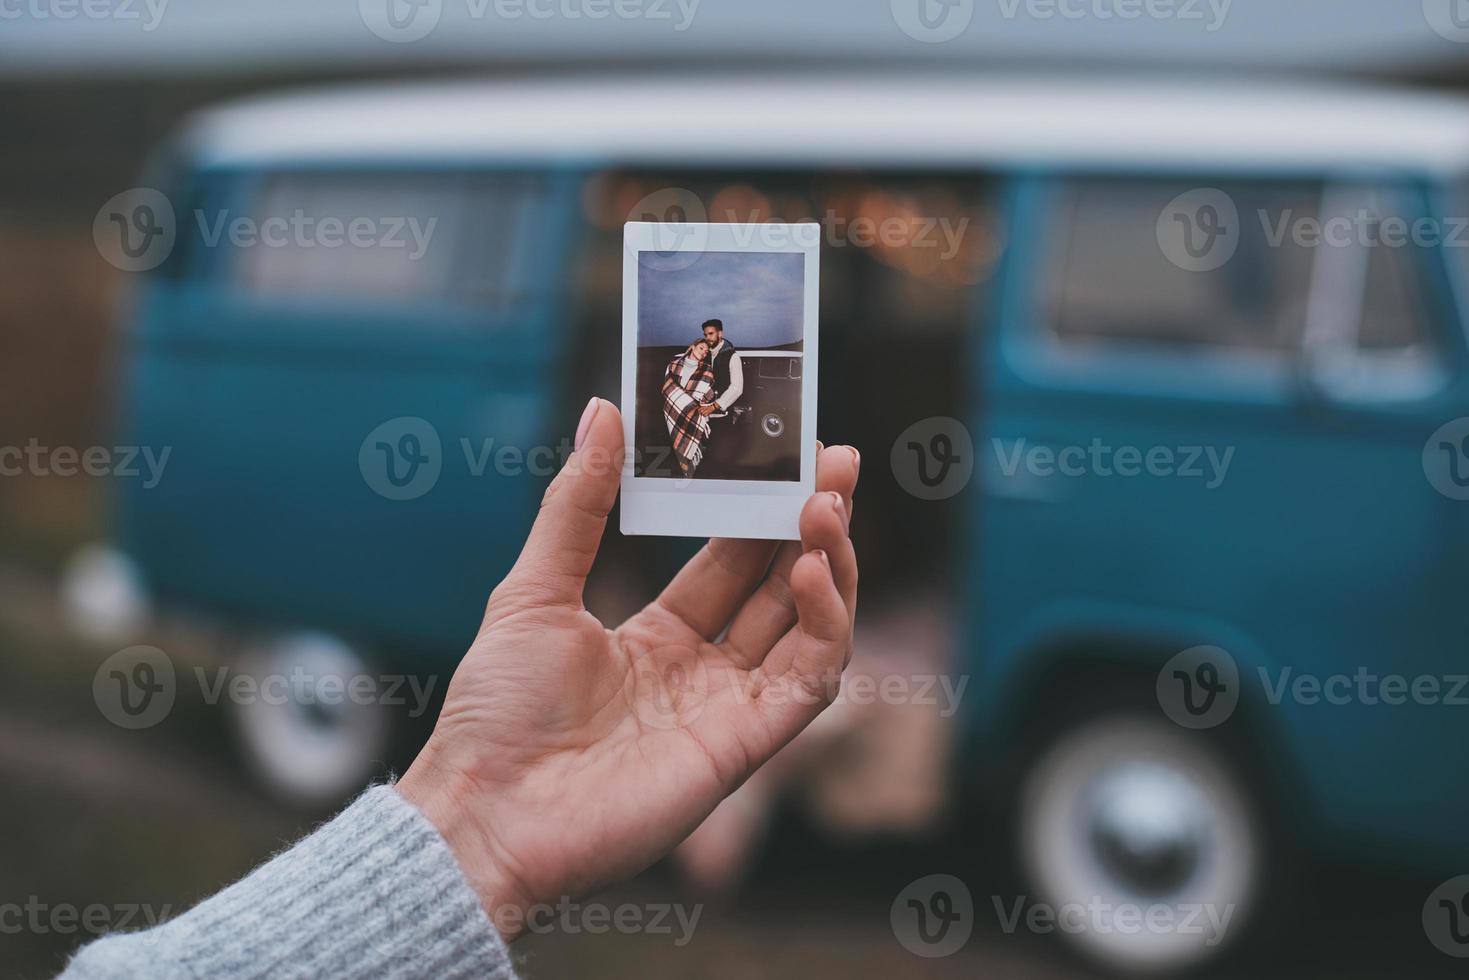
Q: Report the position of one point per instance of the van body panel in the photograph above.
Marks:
(1268, 563)
(271, 405)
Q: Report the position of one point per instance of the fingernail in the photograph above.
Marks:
(856, 457)
(587, 414)
(839, 505)
(819, 553)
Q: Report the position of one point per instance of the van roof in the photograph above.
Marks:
(826, 120)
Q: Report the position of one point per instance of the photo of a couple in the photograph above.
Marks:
(707, 377)
(708, 409)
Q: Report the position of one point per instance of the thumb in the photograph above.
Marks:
(552, 567)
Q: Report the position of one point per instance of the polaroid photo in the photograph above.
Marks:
(719, 351)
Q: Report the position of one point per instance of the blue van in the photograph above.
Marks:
(1203, 344)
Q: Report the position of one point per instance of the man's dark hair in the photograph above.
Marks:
(716, 323)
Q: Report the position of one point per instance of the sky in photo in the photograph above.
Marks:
(758, 295)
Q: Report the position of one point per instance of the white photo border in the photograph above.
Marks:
(769, 509)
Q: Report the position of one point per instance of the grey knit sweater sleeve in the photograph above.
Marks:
(373, 893)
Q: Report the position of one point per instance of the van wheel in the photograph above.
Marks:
(306, 736)
(1126, 812)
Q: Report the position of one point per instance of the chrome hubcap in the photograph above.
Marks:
(1149, 828)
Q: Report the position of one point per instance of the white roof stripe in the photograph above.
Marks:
(857, 120)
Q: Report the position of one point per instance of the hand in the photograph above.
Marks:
(708, 408)
(568, 755)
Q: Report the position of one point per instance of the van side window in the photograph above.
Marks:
(1110, 280)
(1393, 315)
(778, 367)
(498, 220)
(398, 237)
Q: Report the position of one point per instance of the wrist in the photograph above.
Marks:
(446, 797)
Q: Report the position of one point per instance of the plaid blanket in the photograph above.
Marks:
(681, 400)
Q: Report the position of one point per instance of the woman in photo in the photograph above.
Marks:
(687, 384)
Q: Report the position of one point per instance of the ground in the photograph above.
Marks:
(152, 821)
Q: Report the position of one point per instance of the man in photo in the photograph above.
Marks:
(729, 373)
(729, 383)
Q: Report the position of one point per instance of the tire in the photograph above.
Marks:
(1123, 810)
(306, 744)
